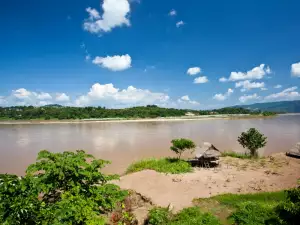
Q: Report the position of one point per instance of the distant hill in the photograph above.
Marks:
(281, 107)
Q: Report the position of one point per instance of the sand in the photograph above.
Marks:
(274, 173)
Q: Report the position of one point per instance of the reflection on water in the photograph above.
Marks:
(123, 143)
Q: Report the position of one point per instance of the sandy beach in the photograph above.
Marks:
(124, 120)
(276, 172)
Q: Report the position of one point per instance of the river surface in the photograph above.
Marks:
(125, 142)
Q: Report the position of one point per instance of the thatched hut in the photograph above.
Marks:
(295, 151)
(207, 154)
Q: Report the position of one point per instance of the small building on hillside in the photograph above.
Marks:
(190, 114)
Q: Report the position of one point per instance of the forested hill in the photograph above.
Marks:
(61, 112)
(279, 107)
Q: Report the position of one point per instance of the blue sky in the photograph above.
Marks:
(120, 53)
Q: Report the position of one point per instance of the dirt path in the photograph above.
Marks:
(233, 176)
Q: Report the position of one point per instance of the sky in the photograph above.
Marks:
(172, 53)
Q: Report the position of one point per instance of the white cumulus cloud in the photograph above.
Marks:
(43, 96)
(222, 97)
(115, 14)
(186, 100)
(247, 85)
(193, 71)
(256, 73)
(173, 12)
(287, 94)
(295, 69)
(114, 63)
(246, 98)
(62, 97)
(200, 80)
(110, 96)
(180, 23)
(223, 79)
(278, 86)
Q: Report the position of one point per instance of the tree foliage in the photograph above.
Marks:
(60, 188)
(61, 112)
(181, 145)
(253, 140)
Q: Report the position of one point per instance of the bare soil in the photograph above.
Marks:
(272, 173)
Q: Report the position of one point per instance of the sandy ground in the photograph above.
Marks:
(273, 173)
(122, 120)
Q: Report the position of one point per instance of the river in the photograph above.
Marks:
(124, 142)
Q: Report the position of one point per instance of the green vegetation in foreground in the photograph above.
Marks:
(281, 207)
(187, 216)
(61, 188)
(236, 155)
(164, 165)
(53, 112)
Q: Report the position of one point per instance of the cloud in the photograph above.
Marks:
(287, 94)
(43, 96)
(200, 80)
(246, 98)
(108, 95)
(23, 96)
(256, 73)
(278, 86)
(186, 100)
(222, 97)
(172, 12)
(295, 69)
(115, 14)
(264, 89)
(193, 71)
(114, 63)
(62, 97)
(247, 85)
(180, 23)
(223, 79)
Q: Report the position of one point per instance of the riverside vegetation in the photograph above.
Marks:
(69, 188)
(54, 112)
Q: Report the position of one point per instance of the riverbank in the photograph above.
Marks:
(127, 120)
(273, 173)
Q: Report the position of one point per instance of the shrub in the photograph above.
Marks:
(253, 140)
(159, 216)
(181, 145)
(289, 210)
(251, 213)
(165, 165)
(187, 216)
(236, 155)
(61, 188)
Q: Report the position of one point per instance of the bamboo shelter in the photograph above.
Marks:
(207, 155)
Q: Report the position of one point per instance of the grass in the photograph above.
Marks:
(222, 206)
(236, 155)
(164, 165)
(187, 216)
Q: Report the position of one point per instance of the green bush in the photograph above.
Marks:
(187, 216)
(251, 213)
(181, 145)
(253, 140)
(164, 165)
(159, 216)
(289, 210)
(61, 188)
(193, 216)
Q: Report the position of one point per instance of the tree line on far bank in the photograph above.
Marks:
(150, 111)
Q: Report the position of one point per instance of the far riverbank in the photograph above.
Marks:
(159, 119)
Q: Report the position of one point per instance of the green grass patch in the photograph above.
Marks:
(236, 155)
(187, 216)
(222, 206)
(164, 165)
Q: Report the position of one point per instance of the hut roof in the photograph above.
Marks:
(207, 150)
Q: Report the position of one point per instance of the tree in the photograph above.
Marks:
(60, 188)
(180, 145)
(253, 140)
